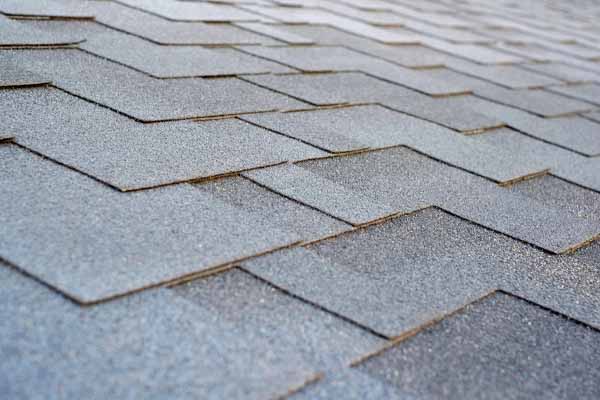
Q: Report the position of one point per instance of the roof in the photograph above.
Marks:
(299, 199)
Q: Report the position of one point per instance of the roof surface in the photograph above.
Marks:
(300, 199)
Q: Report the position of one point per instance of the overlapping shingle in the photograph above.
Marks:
(341, 88)
(192, 10)
(347, 199)
(163, 31)
(129, 155)
(92, 242)
(143, 97)
(46, 8)
(138, 346)
(19, 34)
(177, 62)
(398, 275)
(239, 298)
(479, 352)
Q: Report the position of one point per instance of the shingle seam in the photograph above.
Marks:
(45, 157)
(395, 341)
(313, 304)
(184, 20)
(282, 93)
(4, 263)
(293, 390)
(551, 143)
(567, 114)
(293, 199)
(465, 132)
(293, 137)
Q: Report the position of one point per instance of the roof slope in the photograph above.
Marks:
(303, 199)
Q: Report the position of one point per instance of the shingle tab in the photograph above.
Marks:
(398, 275)
(399, 177)
(16, 76)
(340, 88)
(18, 34)
(243, 194)
(46, 8)
(320, 193)
(479, 352)
(162, 31)
(177, 62)
(327, 341)
(192, 11)
(439, 82)
(572, 132)
(130, 155)
(138, 346)
(587, 92)
(143, 97)
(92, 242)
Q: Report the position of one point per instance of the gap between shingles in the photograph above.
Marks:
(407, 335)
(394, 341)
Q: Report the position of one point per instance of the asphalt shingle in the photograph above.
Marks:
(131, 156)
(177, 62)
(246, 195)
(138, 346)
(287, 323)
(16, 76)
(191, 11)
(162, 31)
(46, 8)
(398, 275)
(479, 352)
(93, 243)
(143, 97)
(573, 132)
(588, 92)
(18, 34)
(341, 88)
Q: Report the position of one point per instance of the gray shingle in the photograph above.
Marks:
(574, 133)
(162, 31)
(296, 15)
(243, 194)
(501, 347)
(564, 72)
(153, 345)
(376, 127)
(350, 384)
(14, 75)
(19, 34)
(408, 55)
(474, 52)
(143, 97)
(274, 31)
(332, 198)
(177, 62)
(287, 323)
(398, 275)
(92, 242)
(324, 89)
(399, 177)
(588, 92)
(540, 102)
(192, 11)
(563, 163)
(594, 116)
(129, 155)
(437, 82)
(46, 8)
(510, 76)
